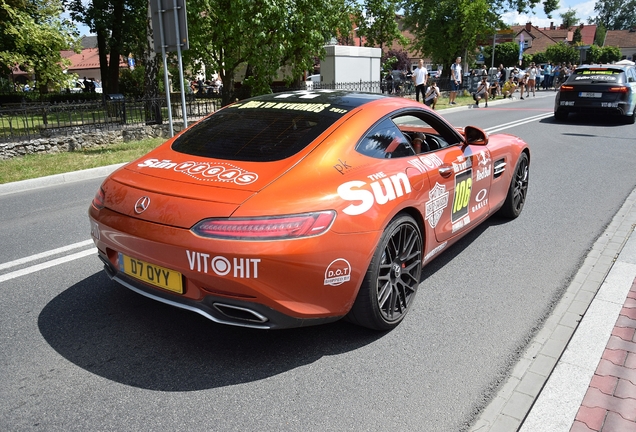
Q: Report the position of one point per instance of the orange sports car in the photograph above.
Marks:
(302, 208)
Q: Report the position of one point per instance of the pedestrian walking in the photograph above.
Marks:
(420, 77)
(456, 80)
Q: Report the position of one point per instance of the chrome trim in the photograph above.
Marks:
(259, 317)
(187, 307)
(500, 167)
(142, 204)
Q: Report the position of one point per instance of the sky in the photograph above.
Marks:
(584, 9)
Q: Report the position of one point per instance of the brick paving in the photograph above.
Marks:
(610, 402)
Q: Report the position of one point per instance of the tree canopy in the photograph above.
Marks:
(615, 14)
(448, 28)
(32, 34)
(226, 35)
(377, 24)
(120, 26)
(569, 18)
(561, 52)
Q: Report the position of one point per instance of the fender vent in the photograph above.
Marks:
(500, 167)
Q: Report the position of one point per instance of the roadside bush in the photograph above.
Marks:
(131, 83)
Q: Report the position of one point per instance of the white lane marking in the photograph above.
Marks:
(517, 123)
(45, 254)
(45, 265)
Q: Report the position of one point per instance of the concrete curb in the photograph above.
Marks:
(57, 179)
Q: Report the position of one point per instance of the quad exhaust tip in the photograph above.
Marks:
(240, 313)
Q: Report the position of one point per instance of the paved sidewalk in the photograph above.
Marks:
(579, 372)
(610, 401)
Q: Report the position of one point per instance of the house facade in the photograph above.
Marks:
(625, 40)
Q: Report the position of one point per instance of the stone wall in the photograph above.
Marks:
(78, 138)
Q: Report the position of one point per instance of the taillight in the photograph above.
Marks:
(566, 87)
(619, 89)
(98, 201)
(267, 228)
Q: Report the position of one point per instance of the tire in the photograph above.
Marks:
(391, 281)
(560, 115)
(632, 118)
(518, 189)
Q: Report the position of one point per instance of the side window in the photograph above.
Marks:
(385, 140)
(432, 133)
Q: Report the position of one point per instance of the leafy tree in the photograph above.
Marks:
(120, 26)
(131, 82)
(506, 53)
(32, 34)
(402, 59)
(226, 35)
(569, 18)
(609, 54)
(376, 22)
(525, 6)
(577, 37)
(540, 58)
(387, 63)
(615, 14)
(447, 29)
(599, 37)
(561, 52)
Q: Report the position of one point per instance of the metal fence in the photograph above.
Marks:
(27, 121)
(24, 121)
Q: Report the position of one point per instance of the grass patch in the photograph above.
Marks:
(40, 165)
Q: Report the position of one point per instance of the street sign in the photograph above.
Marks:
(163, 16)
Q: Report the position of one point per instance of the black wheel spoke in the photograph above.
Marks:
(399, 271)
(521, 186)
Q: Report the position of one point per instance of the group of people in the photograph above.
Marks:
(526, 81)
(429, 93)
(206, 87)
(88, 85)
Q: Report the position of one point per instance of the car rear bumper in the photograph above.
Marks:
(265, 285)
(218, 309)
(618, 108)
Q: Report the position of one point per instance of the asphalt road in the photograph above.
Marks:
(78, 352)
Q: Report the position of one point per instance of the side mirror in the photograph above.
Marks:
(475, 136)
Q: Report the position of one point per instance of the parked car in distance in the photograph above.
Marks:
(311, 79)
(599, 89)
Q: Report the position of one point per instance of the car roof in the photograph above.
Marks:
(604, 66)
(271, 127)
(334, 98)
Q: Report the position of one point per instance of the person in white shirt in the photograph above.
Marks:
(420, 76)
(456, 80)
(532, 80)
(482, 92)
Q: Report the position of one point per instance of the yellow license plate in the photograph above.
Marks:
(150, 273)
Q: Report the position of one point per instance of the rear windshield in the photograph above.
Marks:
(257, 131)
(598, 75)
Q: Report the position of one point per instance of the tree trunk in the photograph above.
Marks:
(103, 60)
(151, 70)
(116, 45)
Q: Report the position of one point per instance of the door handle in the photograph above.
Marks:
(445, 171)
